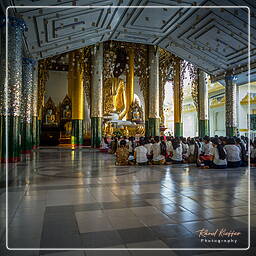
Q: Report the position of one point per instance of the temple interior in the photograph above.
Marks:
(127, 126)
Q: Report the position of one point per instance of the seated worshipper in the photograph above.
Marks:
(140, 154)
(163, 146)
(253, 153)
(113, 145)
(131, 145)
(176, 157)
(122, 154)
(184, 145)
(205, 157)
(219, 155)
(104, 145)
(244, 157)
(148, 146)
(169, 149)
(193, 150)
(233, 153)
(158, 158)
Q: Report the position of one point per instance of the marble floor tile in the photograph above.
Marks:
(81, 199)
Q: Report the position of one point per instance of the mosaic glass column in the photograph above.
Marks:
(97, 96)
(10, 88)
(203, 120)
(26, 106)
(177, 100)
(231, 102)
(153, 125)
(35, 121)
(77, 97)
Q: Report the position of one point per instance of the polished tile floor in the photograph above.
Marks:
(80, 199)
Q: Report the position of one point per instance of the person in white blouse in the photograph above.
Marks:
(233, 153)
(219, 155)
(148, 146)
(140, 153)
(205, 151)
(158, 158)
(176, 152)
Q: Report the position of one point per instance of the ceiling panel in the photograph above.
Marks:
(213, 39)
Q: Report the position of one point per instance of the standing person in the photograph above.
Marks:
(233, 153)
(158, 158)
(219, 155)
(140, 153)
(122, 154)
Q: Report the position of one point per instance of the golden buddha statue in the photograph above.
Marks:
(116, 97)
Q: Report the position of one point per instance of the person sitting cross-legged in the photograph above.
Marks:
(219, 155)
(140, 153)
(122, 154)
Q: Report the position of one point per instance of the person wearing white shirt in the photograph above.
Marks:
(140, 154)
(233, 153)
(219, 155)
(205, 151)
(148, 146)
(158, 158)
(176, 152)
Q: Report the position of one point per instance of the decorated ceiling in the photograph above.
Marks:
(214, 39)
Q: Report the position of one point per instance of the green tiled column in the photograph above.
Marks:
(34, 132)
(13, 153)
(230, 131)
(153, 127)
(26, 138)
(178, 129)
(96, 124)
(77, 133)
(203, 128)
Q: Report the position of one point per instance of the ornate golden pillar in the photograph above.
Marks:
(177, 99)
(130, 81)
(153, 100)
(76, 89)
(97, 95)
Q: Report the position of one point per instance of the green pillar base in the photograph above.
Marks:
(146, 128)
(38, 132)
(34, 132)
(231, 131)
(153, 127)
(96, 124)
(26, 138)
(203, 128)
(77, 138)
(178, 129)
(13, 124)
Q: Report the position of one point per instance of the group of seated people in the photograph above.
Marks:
(208, 152)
